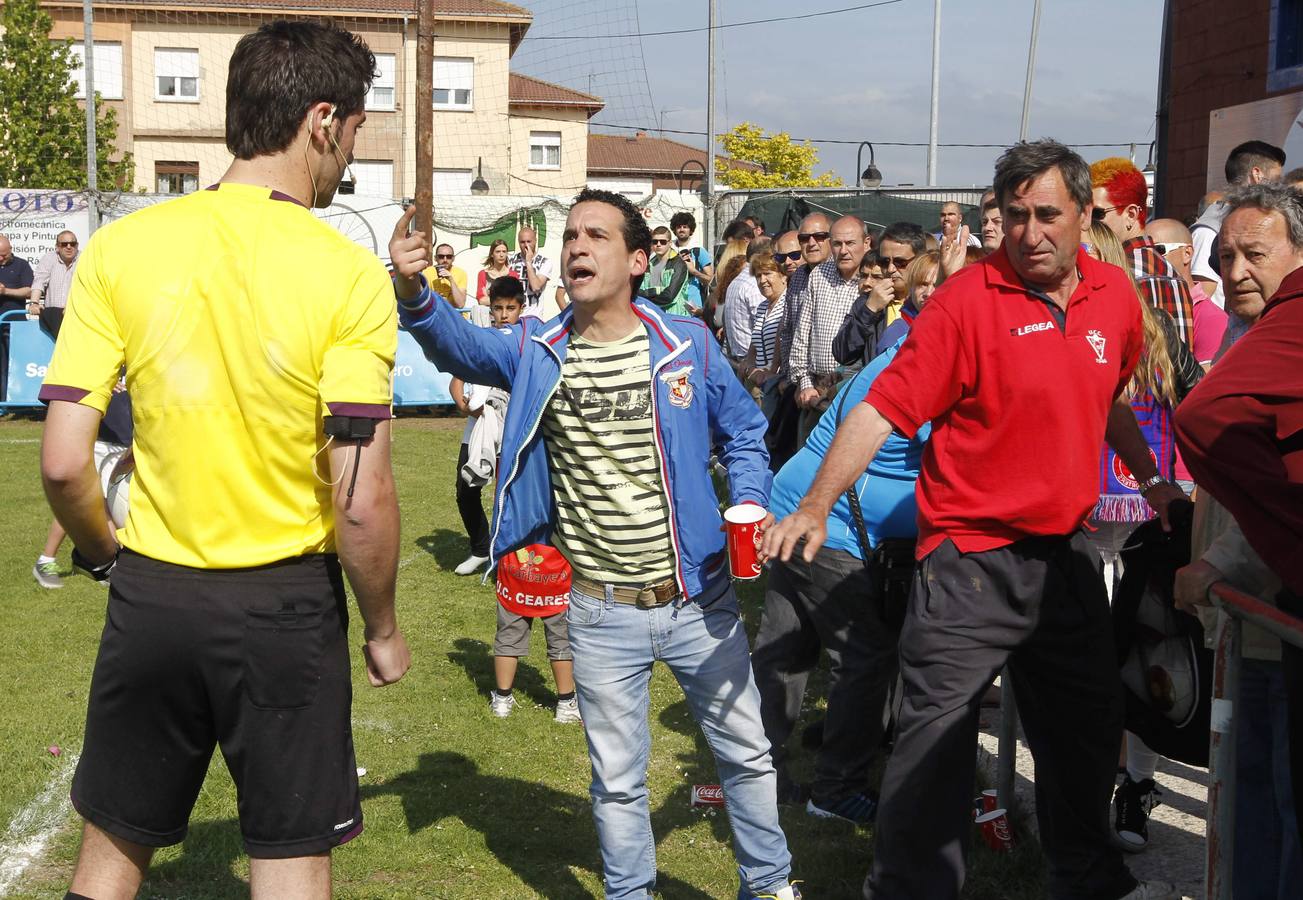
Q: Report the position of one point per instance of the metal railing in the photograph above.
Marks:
(1219, 850)
(1239, 608)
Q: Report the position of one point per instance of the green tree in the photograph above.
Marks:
(784, 162)
(42, 125)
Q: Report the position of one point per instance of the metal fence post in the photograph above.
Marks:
(1006, 763)
(1220, 844)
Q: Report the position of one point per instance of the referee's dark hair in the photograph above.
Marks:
(280, 70)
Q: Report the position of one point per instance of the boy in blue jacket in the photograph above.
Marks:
(615, 408)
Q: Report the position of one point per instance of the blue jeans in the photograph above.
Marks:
(1268, 864)
(614, 647)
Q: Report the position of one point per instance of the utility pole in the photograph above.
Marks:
(92, 151)
(936, 93)
(708, 229)
(425, 118)
(1031, 69)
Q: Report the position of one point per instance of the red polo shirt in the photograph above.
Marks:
(1017, 404)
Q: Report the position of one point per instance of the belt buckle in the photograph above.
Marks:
(646, 598)
(656, 595)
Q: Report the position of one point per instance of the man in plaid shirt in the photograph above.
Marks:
(833, 288)
(1121, 200)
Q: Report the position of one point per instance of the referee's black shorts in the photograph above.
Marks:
(252, 660)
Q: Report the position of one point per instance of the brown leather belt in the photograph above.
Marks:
(649, 596)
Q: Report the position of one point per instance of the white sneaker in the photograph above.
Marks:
(1153, 890)
(502, 706)
(567, 711)
(470, 565)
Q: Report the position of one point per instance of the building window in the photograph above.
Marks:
(381, 95)
(375, 177)
(545, 149)
(454, 82)
(108, 69)
(1285, 47)
(176, 177)
(176, 74)
(452, 182)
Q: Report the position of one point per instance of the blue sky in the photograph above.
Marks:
(866, 75)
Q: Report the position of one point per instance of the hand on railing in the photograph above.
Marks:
(1193, 583)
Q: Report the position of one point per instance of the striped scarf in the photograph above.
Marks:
(1119, 494)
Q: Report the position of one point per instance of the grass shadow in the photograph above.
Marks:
(476, 659)
(548, 834)
(448, 547)
(207, 855)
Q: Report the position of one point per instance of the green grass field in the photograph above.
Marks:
(457, 804)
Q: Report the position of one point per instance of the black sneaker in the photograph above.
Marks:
(1134, 801)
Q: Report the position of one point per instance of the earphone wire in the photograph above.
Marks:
(329, 440)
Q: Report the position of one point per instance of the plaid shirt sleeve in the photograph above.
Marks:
(1161, 285)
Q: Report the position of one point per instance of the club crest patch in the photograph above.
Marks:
(1097, 343)
(678, 382)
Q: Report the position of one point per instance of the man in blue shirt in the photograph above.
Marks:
(834, 601)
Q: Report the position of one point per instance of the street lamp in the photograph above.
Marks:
(683, 168)
(479, 187)
(870, 177)
(1149, 166)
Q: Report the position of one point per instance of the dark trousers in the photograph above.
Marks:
(1038, 604)
(827, 602)
(1292, 666)
(52, 320)
(6, 306)
(471, 508)
(780, 437)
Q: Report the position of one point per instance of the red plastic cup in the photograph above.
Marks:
(996, 831)
(989, 801)
(742, 525)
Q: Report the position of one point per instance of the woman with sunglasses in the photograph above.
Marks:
(495, 266)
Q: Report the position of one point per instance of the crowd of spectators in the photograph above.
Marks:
(967, 430)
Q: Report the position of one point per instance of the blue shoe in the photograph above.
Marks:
(859, 809)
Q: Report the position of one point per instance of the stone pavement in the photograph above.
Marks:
(1176, 828)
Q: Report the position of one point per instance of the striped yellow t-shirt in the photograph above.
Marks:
(612, 523)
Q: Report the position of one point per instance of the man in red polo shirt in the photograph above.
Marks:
(1018, 362)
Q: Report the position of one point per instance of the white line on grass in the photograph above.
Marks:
(31, 830)
(21, 441)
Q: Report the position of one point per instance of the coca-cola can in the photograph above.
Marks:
(707, 795)
(996, 831)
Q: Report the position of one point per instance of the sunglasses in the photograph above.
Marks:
(790, 257)
(1166, 247)
(660, 241)
(819, 236)
(900, 262)
(1098, 213)
(444, 256)
(67, 243)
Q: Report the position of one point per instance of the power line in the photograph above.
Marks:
(642, 34)
(875, 143)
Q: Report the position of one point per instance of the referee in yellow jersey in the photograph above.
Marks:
(258, 344)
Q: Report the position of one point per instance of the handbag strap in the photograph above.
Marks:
(853, 500)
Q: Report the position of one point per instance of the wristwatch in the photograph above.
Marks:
(98, 573)
(1150, 483)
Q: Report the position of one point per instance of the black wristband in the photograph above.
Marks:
(98, 573)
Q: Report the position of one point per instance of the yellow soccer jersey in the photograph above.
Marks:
(242, 320)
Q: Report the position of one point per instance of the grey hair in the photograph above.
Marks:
(1271, 196)
(1027, 159)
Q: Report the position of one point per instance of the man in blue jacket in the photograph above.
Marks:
(615, 407)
